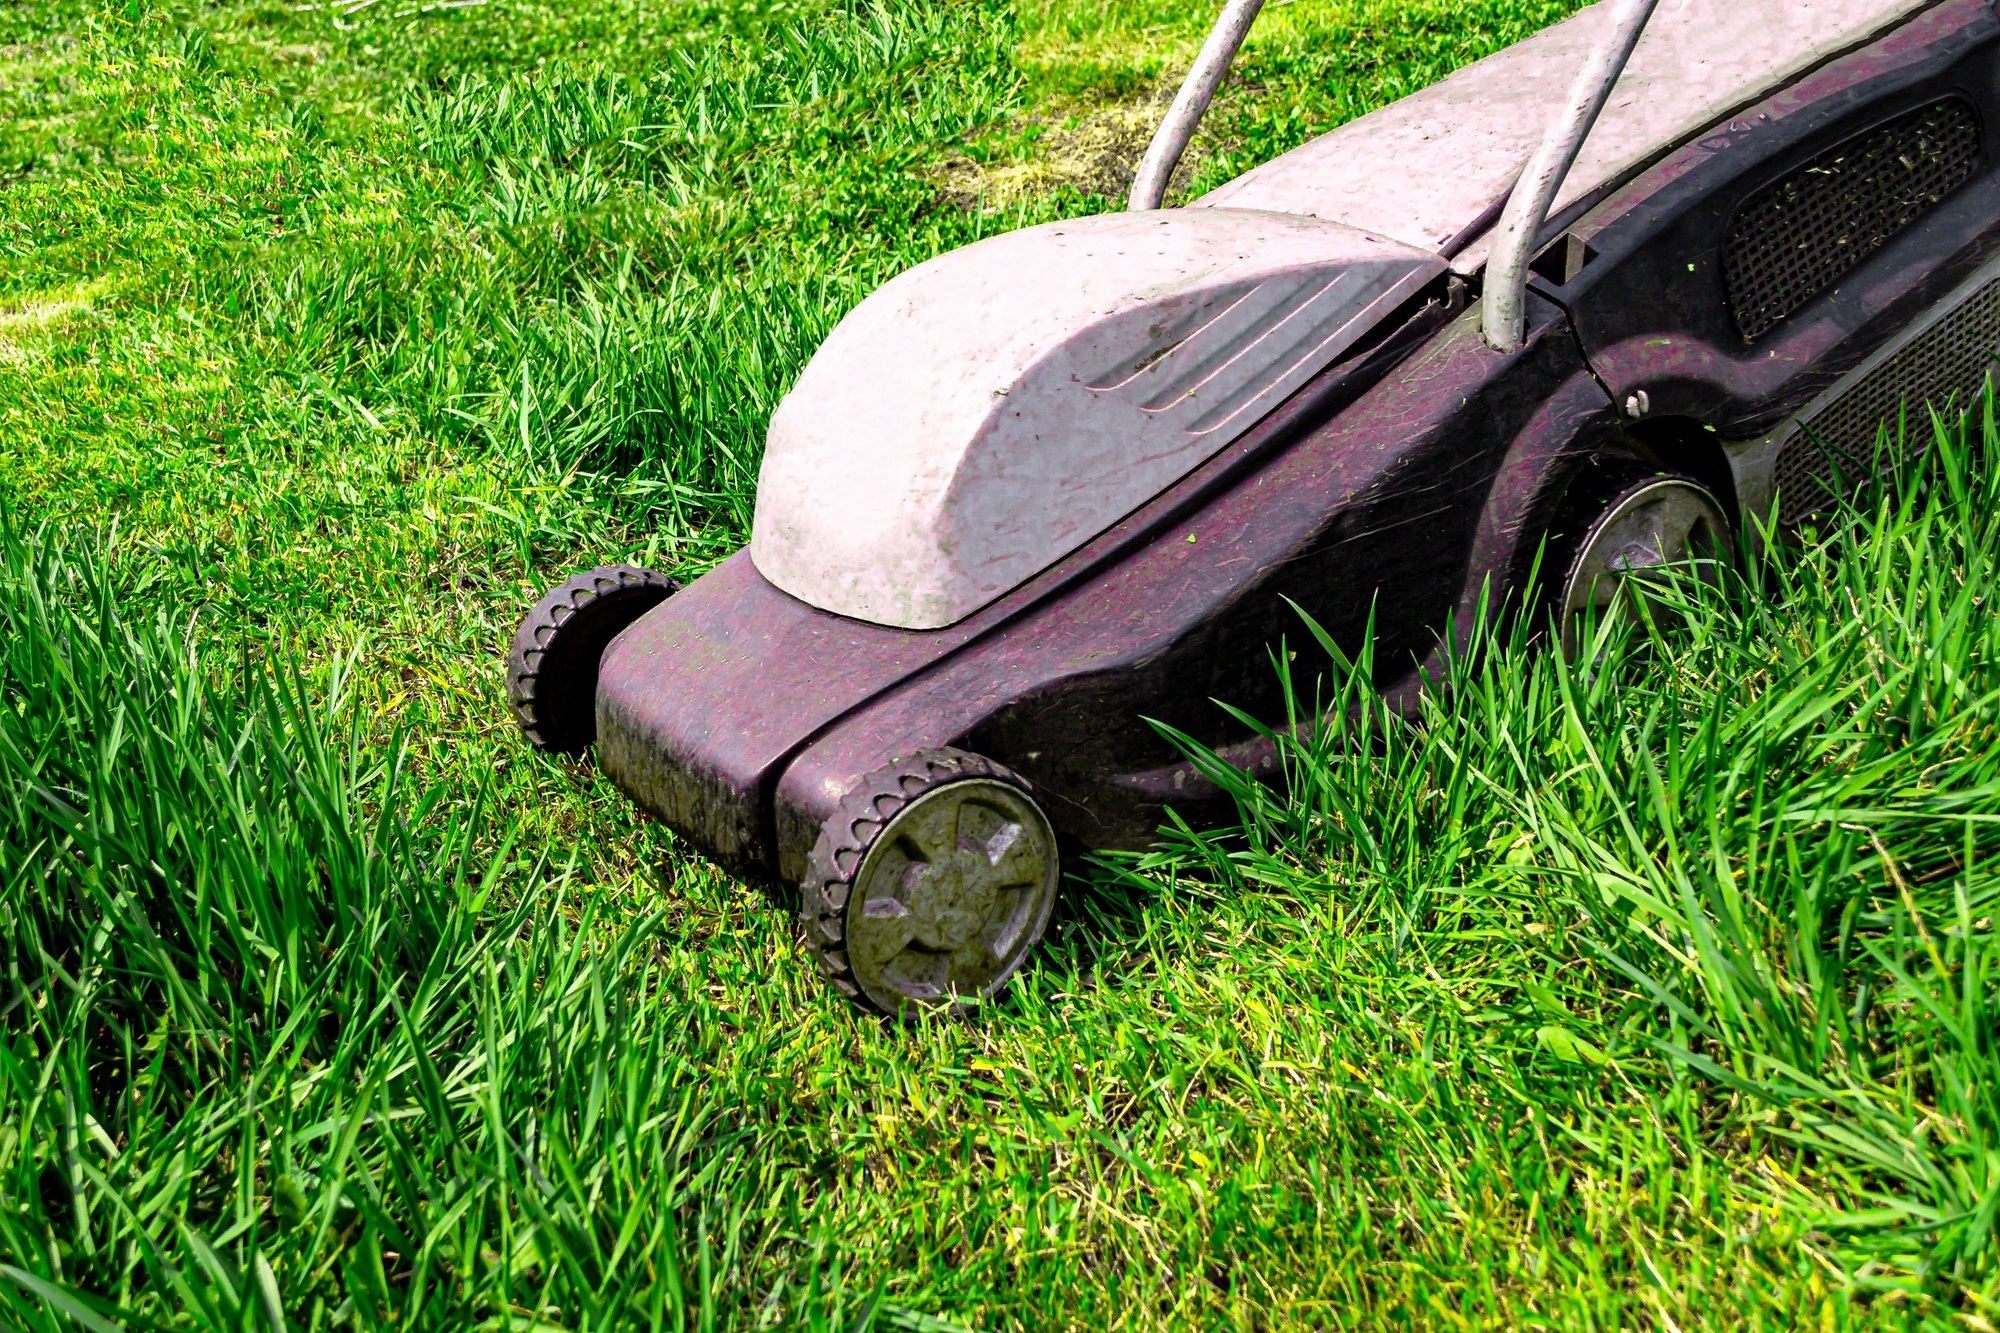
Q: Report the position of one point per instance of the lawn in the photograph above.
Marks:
(1659, 994)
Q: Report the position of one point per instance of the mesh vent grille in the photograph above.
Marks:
(1794, 238)
(1944, 366)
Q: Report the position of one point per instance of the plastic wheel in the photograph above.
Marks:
(931, 884)
(552, 670)
(1626, 522)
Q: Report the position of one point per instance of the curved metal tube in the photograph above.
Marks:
(1503, 312)
(1149, 187)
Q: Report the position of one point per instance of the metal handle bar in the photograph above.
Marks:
(1503, 312)
(1149, 187)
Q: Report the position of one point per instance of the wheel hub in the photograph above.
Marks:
(1656, 523)
(951, 895)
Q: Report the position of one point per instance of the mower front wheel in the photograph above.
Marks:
(552, 669)
(930, 884)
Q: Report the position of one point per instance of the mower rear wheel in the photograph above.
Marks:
(1623, 527)
(930, 884)
(552, 670)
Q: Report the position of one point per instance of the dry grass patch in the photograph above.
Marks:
(22, 322)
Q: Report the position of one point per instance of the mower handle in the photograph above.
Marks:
(1149, 187)
(1503, 310)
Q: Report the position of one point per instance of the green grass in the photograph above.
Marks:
(1657, 994)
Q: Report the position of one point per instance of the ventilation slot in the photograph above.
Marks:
(1943, 368)
(1794, 239)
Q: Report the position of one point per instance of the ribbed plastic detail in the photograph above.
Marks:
(1857, 435)
(1795, 238)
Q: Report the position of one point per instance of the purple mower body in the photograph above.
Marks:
(1035, 492)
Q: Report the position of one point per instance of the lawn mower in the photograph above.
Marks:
(1561, 319)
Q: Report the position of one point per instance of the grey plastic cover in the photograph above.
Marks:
(984, 414)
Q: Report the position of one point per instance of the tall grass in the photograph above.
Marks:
(1758, 827)
(286, 1040)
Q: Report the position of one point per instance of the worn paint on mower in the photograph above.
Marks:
(1600, 294)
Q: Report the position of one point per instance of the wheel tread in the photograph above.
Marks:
(543, 627)
(846, 838)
